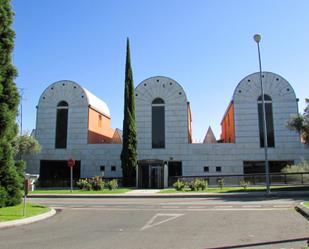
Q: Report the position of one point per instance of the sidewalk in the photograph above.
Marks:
(153, 193)
(301, 208)
(24, 221)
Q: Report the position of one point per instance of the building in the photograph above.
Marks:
(73, 123)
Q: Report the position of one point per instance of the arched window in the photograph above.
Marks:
(62, 125)
(158, 123)
(269, 121)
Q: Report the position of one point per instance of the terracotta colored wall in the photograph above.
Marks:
(228, 125)
(117, 139)
(99, 131)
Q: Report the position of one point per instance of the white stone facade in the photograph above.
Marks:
(193, 157)
(92, 156)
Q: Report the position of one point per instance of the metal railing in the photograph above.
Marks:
(301, 178)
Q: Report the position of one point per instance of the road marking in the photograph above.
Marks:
(151, 222)
(239, 209)
(172, 207)
(282, 206)
(252, 206)
(175, 208)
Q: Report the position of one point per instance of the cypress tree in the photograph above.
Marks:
(10, 180)
(129, 151)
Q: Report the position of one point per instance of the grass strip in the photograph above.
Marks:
(16, 212)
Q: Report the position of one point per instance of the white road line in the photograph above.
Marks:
(251, 206)
(171, 207)
(220, 207)
(282, 206)
(168, 217)
(240, 209)
(183, 210)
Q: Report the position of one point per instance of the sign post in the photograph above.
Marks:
(26, 189)
(71, 164)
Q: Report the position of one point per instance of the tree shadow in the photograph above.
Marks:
(263, 243)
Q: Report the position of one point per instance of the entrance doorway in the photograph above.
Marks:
(151, 174)
(156, 176)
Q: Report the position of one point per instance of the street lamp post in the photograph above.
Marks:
(257, 39)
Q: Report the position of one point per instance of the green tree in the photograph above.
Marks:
(25, 145)
(10, 181)
(300, 123)
(129, 151)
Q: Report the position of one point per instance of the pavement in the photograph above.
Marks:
(174, 223)
(150, 193)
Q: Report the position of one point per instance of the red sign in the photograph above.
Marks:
(27, 186)
(71, 162)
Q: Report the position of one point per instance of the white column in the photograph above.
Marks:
(136, 176)
(165, 170)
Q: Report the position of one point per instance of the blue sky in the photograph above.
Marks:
(206, 46)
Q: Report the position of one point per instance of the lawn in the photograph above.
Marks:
(79, 191)
(306, 204)
(16, 212)
(238, 189)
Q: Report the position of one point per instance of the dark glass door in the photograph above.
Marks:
(156, 177)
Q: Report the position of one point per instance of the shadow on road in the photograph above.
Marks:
(262, 243)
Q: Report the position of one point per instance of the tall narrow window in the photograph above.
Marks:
(62, 125)
(269, 121)
(100, 121)
(158, 123)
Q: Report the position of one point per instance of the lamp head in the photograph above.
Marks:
(257, 38)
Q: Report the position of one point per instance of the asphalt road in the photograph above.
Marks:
(163, 223)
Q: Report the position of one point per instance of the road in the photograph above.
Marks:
(163, 223)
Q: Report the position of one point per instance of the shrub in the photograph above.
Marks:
(220, 183)
(97, 183)
(297, 168)
(198, 184)
(244, 184)
(204, 185)
(3, 197)
(179, 185)
(83, 184)
(112, 184)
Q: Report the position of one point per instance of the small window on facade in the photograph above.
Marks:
(206, 169)
(218, 169)
(100, 121)
(113, 168)
(102, 168)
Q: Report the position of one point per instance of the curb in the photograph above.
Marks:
(304, 211)
(178, 195)
(28, 220)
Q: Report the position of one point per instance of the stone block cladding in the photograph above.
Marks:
(194, 157)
